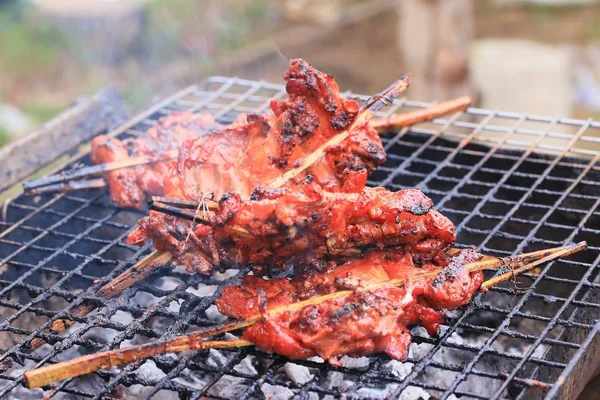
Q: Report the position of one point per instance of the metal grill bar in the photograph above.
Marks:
(503, 178)
(482, 247)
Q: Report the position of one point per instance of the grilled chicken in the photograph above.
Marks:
(301, 225)
(361, 323)
(129, 187)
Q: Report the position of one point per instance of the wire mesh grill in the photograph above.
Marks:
(510, 182)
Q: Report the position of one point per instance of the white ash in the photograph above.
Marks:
(245, 366)
(272, 392)
(100, 335)
(383, 392)
(298, 373)
(202, 290)
(414, 393)
(180, 269)
(221, 276)
(122, 317)
(193, 379)
(398, 368)
(216, 359)
(418, 351)
(141, 392)
(334, 379)
(174, 306)
(355, 363)
(68, 353)
(315, 396)
(168, 283)
(229, 387)
(144, 299)
(213, 314)
(229, 336)
(150, 371)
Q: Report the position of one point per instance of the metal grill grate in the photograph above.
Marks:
(510, 182)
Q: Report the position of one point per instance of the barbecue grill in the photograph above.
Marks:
(510, 182)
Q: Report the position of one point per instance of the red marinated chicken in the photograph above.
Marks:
(242, 156)
(359, 324)
(129, 187)
(252, 152)
(301, 225)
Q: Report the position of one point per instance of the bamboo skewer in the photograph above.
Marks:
(91, 363)
(69, 186)
(106, 359)
(126, 279)
(427, 114)
(566, 251)
(94, 170)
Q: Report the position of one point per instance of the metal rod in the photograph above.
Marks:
(94, 170)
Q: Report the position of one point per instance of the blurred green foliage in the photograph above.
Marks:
(222, 24)
(4, 137)
(28, 44)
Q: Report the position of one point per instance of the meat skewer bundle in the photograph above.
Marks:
(257, 148)
(374, 261)
(228, 147)
(298, 225)
(363, 322)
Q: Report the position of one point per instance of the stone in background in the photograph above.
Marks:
(523, 76)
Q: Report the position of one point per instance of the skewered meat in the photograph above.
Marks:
(239, 158)
(254, 151)
(297, 225)
(129, 187)
(242, 156)
(363, 322)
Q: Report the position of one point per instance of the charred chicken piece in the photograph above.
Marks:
(129, 187)
(361, 323)
(239, 158)
(303, 225)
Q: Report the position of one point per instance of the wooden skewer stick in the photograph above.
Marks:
(567, 251)
(91, 363)
(374, 103)
(94, 170)
(64, 187)
(106, 359)
(427, 114)
(128, 278)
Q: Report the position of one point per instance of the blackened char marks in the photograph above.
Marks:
(303, 80)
